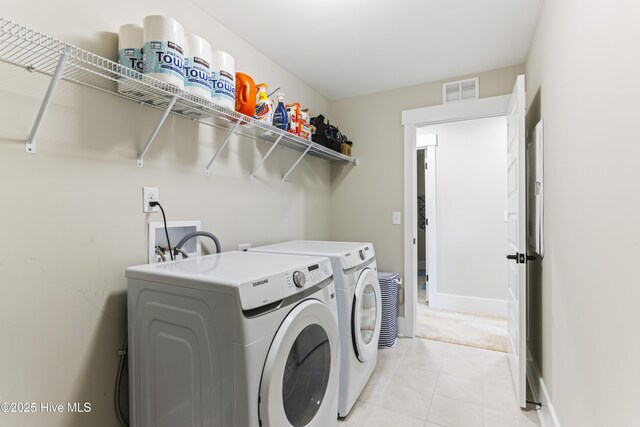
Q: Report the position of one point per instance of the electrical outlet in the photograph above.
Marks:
(150, 194)
(244, 246)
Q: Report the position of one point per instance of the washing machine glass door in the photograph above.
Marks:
(300, 376)
(366, 315)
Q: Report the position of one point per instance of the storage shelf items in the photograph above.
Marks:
(37, 52)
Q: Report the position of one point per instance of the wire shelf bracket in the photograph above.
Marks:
(284, 178)
(226, 141)
(140, 160)
(273, 147)
(55, 79)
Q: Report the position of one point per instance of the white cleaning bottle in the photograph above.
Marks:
(264, 106)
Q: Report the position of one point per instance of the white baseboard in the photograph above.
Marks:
(546, 413)
(401, 328)
(493, 307)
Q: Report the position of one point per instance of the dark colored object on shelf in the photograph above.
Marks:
(326, 134)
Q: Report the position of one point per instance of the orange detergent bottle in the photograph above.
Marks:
(246, 92)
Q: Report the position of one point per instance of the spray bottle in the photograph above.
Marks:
(264, 106)
(280, 114)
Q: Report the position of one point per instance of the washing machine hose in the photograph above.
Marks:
(123, 358)
(196, 234)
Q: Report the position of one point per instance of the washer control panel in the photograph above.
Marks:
(357, 256)
(309, 276)
(273, 288)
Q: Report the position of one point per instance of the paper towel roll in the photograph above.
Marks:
(130, 46)
(197, 66)
(223, 80)
(163, 58)
(129, 54)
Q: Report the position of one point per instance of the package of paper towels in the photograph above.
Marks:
(130, 46)
(223, 80)
(197, 66)
(130, 55)
(163, 53)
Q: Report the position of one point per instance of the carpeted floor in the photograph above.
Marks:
(475, 330)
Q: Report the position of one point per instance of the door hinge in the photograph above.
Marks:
(426, 221)
(414, 240)
(426, 165)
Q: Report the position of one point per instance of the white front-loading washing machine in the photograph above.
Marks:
(359, 308)
(235, 339)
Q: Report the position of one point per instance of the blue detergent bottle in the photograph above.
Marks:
(280, 114)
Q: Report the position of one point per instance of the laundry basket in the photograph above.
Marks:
(389, 292)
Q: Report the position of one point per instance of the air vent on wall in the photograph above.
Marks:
(460, 90)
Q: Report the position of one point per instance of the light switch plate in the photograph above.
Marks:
(395, 218)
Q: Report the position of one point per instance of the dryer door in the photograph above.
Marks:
(366, 315)
(300, 377)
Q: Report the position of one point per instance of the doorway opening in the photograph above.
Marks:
(466, 186)
(423, 267)
(422, 139)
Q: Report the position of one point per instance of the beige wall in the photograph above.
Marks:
(584, 66)
(364, 196)
(71, 218)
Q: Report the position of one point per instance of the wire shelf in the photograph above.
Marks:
(37, 52)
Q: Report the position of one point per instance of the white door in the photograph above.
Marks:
(366, 315)
(301, 373)
(516, 241)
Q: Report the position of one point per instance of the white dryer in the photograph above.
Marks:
(236, 339)
(359, 308)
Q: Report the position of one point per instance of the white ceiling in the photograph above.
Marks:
(345, 48)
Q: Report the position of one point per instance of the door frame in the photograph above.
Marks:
(411, 121)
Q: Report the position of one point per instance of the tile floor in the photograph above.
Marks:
(426, 383)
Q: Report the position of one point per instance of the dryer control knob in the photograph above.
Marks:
(299, 279)
(362, 255)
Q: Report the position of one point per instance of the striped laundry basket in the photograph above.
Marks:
(389, 292)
